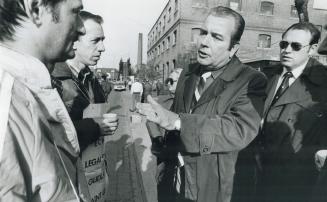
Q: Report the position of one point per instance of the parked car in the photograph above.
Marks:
(119, 86)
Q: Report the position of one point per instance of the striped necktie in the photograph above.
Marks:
(283, 87)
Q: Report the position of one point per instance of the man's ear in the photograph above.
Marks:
(34, 10)
(313, 49)
(234, 50)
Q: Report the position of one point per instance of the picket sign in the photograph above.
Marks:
(93, 159)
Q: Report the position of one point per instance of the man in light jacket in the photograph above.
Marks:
(38, 142)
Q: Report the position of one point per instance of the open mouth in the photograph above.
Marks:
(202, 54)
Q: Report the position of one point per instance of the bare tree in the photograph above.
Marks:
(302, 10)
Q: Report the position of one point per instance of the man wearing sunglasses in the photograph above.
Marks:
(294, 126)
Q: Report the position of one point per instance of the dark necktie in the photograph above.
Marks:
(283, 86)
(85, 76)
(201, 85)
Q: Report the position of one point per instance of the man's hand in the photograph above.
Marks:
(108, 124)
(320, 158)
(158, 114)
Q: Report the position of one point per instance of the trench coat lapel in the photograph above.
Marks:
(299, 91)
(232, 70)
(270, 92)
(295, 93)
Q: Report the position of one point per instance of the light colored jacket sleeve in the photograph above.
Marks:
(30, 167)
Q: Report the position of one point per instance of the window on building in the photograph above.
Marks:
(159, 49)
(195, 34)
(174, 64)
(264, 41)
(267, 8)
(169, 14)
(235, 4)
(174, 37)
(293, 12)
(164, 23)
(163, 46)
(168, 42)
(167, 65)
(176, 5)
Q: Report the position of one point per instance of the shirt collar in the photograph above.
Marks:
(75, 70)
(25, 68)
(296, 71)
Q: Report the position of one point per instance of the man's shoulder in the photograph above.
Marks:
(61, 71)
(316, 72)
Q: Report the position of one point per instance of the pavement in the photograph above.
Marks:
(131, 166)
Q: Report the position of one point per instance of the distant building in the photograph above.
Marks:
(111, 72)
(125, 69)
(172, 39)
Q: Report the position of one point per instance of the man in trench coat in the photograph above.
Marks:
(216, 111)
(294, 127)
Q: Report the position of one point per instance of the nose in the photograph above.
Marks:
(205, 40)
(101, 47)
(288, 48)
(80, 26)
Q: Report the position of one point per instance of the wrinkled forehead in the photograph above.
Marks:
(223, 25)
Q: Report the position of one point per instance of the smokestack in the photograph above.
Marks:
(140, 51)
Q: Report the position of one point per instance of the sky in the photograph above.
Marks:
(123, 20)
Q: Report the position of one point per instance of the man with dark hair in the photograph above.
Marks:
(294, 126)
(38, 142)
(216, 111)
(80, 89)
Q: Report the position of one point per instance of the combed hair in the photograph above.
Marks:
(306, 26)
(221, 11)
(12, 13)
(85, 15)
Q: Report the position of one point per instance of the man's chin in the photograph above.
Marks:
(203, 62)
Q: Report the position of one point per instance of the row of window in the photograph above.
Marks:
(266, 7)
(164, 45)
(166, 67)
(162, 23)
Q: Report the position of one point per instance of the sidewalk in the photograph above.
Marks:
(131, 166)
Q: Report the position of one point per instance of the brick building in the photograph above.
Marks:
(171, 41)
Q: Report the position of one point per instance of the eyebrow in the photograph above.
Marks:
(215, 34)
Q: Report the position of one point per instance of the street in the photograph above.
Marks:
(131, 166)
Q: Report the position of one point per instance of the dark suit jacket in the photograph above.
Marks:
(294, 129)
(224, 120)
(76, 99)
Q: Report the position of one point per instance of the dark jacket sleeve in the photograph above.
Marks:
(88, 131)
(234, 130)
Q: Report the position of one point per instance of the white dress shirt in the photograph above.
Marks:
(296, 74)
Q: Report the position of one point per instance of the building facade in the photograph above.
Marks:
(172, 39)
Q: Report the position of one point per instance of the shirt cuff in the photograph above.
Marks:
(177, 124)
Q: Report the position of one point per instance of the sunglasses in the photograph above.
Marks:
(294, 45)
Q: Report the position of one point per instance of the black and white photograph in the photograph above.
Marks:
(163, 100)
